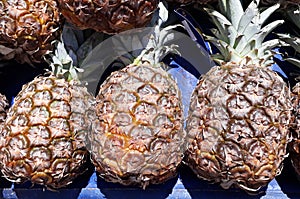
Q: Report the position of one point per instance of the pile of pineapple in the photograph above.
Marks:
(243, 117)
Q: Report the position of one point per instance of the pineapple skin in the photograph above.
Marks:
(27, 29)
(108, 16)
(238, 126)
(45, 132)
(139, 138)
(4, 105)
(294, 146)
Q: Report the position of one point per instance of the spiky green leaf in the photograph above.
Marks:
(233, 10)
(268, 46)
(264, 15)
(250, 13)
(260, 37)
(223, 25)
(61, 63)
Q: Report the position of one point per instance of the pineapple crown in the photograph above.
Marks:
(61, 63)
(240, 34)
(157, 46)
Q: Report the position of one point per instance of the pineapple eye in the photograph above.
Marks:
(49, 81)
(25, 105)
(132, 160)
(122, 119)
(59, 127)
(147, 90)
(158, 144)
(271, 102)
(20, 120)
(163, 121)
(39, 115)
(60, 93)
(164, 102)
(141, 132)
(60, 108)
(144, 73)
(260, 117)
(30, 88)
(126, 98)
(62, 148)
(238, 102)
(61, 165)
(42, 95)
(252, 87)
(41, 153)
(18, 142)
(114, 141)
(229, 153)
(39, 135)
(239, 128)
(145, 112)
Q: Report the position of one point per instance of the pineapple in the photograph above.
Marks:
(108, 16)
(43, 140)
(294, 42)
(240, 111)
(139, 139)
(27, 28)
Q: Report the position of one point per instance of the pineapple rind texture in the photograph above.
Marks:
(44, 136)
(27, 28)
(108, 16)
(294, 146)
(139, 139)
(238, 126)
(4, 105)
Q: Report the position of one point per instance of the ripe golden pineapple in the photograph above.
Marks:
(44, 134)
(240, 111)
(27, 28)
(139, 139)
(108, 16)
